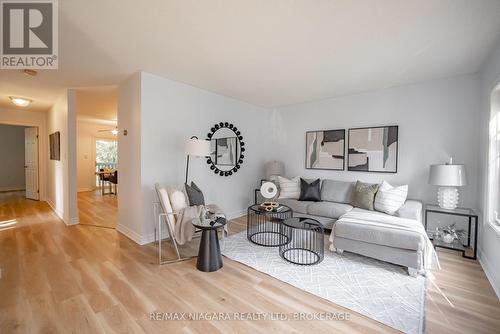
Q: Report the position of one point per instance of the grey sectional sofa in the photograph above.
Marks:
(396, 246)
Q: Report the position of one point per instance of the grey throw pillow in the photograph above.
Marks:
(195, 195)
(363, 195)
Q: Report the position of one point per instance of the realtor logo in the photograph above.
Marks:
(29, 32)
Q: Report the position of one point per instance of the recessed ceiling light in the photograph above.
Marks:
(19, 101)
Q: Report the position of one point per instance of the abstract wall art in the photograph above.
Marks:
(325, 149)
(55, 146)
(373, 149)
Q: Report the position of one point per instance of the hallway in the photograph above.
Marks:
(97, 210)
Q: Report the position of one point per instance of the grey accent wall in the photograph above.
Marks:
(11, 157)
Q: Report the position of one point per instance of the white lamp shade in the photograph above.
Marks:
(447, 175)
(197, 147)
(275, 168)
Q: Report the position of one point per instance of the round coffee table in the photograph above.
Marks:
(209, 255)
(263, 227)
(306, 241)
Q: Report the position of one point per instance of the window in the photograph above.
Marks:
(106, 155)
(494, 161)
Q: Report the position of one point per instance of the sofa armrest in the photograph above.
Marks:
(412, 209)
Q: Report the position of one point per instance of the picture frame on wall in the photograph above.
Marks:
(373, 149)
(55, 146)
(325, 149)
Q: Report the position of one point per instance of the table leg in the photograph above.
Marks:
(209, 255)
(468, 232)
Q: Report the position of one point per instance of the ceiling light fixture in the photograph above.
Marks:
(114, 132)
(19, 101)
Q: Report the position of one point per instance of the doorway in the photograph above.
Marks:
(97, 156)
(19, 170)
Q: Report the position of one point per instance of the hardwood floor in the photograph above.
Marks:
(85, 279)
(96, 209)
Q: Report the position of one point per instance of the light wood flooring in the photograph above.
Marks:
(86, 279)
(96, 209)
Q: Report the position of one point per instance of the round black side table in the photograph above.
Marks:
(263, 227)
(209, 255)
(307, 241)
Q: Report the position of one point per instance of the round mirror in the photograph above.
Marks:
(226, 149)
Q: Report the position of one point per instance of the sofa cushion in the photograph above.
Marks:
(336, 191)
(363, 195)
(295, 205)
(309, 191)
(379, 235)
(390, 199)
(289, 188)
(328, 209)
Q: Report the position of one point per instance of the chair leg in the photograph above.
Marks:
(171, 237)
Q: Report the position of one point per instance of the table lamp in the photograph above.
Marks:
(273, 169)
(448, 177)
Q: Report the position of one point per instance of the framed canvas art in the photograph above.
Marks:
(373, 149)
(55, 146)
(325, 149)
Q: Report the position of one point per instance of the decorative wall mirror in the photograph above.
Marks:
(226, 149)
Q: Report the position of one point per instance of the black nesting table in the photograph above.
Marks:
(209, 255)
(306, 241)
(264, 227)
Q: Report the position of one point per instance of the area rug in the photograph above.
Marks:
(377, 289)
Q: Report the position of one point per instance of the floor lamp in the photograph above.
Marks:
(197, 148)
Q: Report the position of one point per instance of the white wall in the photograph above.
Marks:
(87, 133)
(170, 113)
(436, 120)
(32, 119)
(61, 175)
(130, 219)
(12, 176)
(489, 240)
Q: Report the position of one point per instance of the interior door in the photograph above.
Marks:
(31, 162)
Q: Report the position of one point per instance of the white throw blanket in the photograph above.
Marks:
(390, 222)
(184, 229)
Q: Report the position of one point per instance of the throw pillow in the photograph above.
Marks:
(363, 195)
(289, 188)
(194, 194)
(168, 207)
(309, 191)
(177, 200)
(390, 199)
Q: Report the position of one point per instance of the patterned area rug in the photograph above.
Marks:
(377, 289)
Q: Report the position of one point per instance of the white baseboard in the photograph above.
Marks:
(148, 238)
(85, 189)
(493, 277)
(236, 214)
(53, 207)
(6, 189)
(72, 221)
(68, 222)
(129, 233)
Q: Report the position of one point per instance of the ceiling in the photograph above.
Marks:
(97, 104)
(266, 52)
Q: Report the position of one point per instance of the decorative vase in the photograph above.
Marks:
(448, 238)
(448, 197)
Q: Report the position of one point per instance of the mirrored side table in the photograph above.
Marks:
(457, 244)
